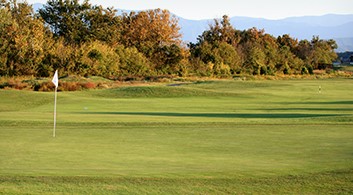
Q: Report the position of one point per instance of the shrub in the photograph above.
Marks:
(310, 69)
(45, 86)
(70, 86)
(263, 70)
(16, 83)
(304, 71)
(88, 85)
(286, 70)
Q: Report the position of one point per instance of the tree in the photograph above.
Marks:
(256, 61)
(104, 25)
(227, 55)
(156, 27)
(304, 49)
(288, 63)
(22, 38)
(317, 53)
(6, 33)
(323, 52)
(57, 57)
(132, 62)
(67, 18)
(220, 32)
(286, 40)
(97, 58)
(271, 52)
(153, 33)
(167, 57)
(216, 48)
(252, 49)
(80, 23)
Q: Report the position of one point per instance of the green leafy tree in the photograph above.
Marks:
(167, 58)
(132, 62)
(58, 55)
(271, 52)
(67, 18)
(286, 40)
(256, 61)
(323, 52)
(203, 58)
(104, 25)
(98, 58)
(216, 49)
(227, 57)
(316, 53)
(304, 50)
(252, 51)
(220, 32)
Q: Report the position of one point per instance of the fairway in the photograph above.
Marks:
(206, 137)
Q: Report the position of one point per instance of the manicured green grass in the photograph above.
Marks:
(215, 137)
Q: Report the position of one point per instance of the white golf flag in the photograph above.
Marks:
(56, 79)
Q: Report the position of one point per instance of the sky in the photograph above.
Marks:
(208, 9)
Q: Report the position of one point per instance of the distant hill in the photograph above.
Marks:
(325, 20)
(345, 44)
(338, 27)
(330, 26)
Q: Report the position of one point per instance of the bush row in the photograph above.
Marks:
(38, 85)
(80, 83)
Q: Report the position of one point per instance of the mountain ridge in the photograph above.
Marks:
(337, 27)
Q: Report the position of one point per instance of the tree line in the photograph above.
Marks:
(85, 39)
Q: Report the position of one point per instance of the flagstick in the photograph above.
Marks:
(56, 91)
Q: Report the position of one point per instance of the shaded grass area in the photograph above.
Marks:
(338, 182)
(220, 115)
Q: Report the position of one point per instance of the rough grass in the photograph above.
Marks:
(323, 183)
(223, 137)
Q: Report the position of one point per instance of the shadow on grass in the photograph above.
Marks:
(325, 103)
(310, 109)
(218, 115)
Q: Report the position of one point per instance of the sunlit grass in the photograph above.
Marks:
(207, 137)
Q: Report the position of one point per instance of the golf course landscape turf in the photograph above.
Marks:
(205, 137)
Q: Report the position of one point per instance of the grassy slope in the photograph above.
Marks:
(212, 137)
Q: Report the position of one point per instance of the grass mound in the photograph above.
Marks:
(196, 89)
(158, 92)
(13, 100)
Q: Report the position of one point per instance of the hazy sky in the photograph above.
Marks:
(208, 9)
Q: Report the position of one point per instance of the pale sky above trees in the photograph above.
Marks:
(201, 9)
